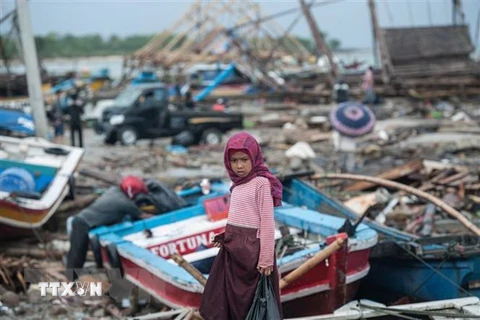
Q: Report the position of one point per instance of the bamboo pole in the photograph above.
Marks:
(314, 261)
(191, 24)
(160, 38)
(382, 44)
(320, 42)
(189, 268)
(391, 184)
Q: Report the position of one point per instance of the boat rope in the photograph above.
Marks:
(389, 13)
(285, 35)
(430, 276)
(410, 13)
(429, 11)
(282, 13)
(429, 313)
(445, 8)
(434, 270)
(5, 17)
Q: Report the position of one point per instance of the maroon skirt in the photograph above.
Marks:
(233, 278)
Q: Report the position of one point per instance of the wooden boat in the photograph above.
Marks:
(15, 120)
(35, 176)
(462, 308)
(404, 265)
(142, 250)
(427, 269)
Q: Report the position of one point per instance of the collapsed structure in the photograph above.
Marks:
(433, 58)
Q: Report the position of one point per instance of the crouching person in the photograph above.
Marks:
(112, 207)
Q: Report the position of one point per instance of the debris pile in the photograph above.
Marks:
(457, 186)
(431, 147)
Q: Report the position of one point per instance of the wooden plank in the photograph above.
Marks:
(430, 165)
(32, 252)
(189, 268)
(473, 187)
(107, 177)
(452, 178)
(395, 173)
(79, 203)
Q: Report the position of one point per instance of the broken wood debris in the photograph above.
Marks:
(391, 184)
(393, 174)
(107, 177)
(12, 271)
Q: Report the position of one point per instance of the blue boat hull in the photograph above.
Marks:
(16, 123)
(399, 278)
(392, 278)
(144, 260)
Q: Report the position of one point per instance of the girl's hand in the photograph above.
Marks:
(265, 270)
(218, 240)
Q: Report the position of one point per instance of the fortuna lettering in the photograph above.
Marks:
(184, 245)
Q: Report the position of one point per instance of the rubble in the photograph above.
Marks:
(439, 156)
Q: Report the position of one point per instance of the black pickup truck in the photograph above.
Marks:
(143, 111)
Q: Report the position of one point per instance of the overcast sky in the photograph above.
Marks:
(347, 20)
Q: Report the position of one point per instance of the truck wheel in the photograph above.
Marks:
(127, 136)
(212, 136)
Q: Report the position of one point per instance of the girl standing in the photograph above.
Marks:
(247, 246)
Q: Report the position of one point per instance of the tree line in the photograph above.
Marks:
(54, 45)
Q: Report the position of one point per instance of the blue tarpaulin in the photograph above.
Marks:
(145, 77)
(17, 122)
(63, 86)
(218, 80)
(101, 74)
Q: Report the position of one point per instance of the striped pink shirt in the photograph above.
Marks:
(251, 206)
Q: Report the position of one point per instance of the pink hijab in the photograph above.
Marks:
(244, 142)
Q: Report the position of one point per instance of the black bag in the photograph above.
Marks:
(264, 305)
(160, 196)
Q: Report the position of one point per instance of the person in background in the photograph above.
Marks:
(57, 118)
(368, 87)
(75, 110)
(340, 91)
(189, 103)
(178, 90)
(247, 248)
(345, 147)
(116, 204)
(219, 105)
(349, 121)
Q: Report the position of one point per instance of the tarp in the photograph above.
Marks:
(17, 122)
(63, 86)
(145, 77)
(218, 80)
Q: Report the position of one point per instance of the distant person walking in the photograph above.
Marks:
(75, 110)
(189, 103)
(340, 91)
(57, 117)
(368, 87)
(220, 105)
(349, 120)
